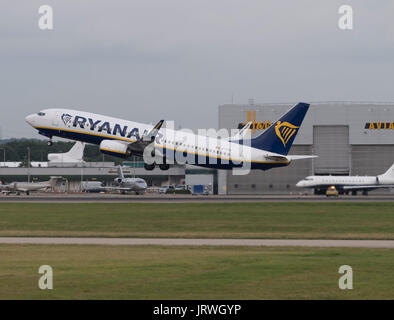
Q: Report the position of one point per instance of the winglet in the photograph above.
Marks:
(242, 133)
(152, 134)
(120, 172)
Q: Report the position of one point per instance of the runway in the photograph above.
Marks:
(201, 242)
(108, 198)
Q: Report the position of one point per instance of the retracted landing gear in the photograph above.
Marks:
(164, 166)
(149, 167)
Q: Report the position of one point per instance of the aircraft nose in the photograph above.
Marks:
(30, 119)
(299, 184)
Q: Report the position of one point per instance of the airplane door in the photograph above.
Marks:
(55, 119)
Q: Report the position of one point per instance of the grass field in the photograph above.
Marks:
(158, 272)
(335, 220)
(105, 272)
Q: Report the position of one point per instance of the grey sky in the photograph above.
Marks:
(179, 59)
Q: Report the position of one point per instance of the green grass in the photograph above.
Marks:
(153, 272)
(334, 220)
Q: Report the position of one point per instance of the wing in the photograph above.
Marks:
(117, 188)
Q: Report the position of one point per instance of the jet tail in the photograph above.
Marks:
(120, 172)
(389, 174)
(279, 137)
(53, 181)
(76, 152)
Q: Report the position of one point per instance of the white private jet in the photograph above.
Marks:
(346, 184)
(138, 185)
(74, 155)
(122, 184)
(126, 138)
(27, 187)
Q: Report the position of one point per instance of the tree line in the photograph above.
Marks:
(17, 150)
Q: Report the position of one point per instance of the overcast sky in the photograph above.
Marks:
(179, 59)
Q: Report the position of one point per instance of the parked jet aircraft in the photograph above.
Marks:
(129, 184)
(74, 155)
(137, 185)
(352, 184)
(125, 138)
(27, 187)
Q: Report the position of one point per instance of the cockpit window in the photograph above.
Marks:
(41, 113)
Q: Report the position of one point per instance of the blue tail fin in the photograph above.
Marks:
(279, 137)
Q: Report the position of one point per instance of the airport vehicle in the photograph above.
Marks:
(332, 192)
(27, 187)
(92, 186)
(166, 189)
(181, 187)
(345, 184)
(74, 155)
(126, 138)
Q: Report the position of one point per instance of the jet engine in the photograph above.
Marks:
(115, 148)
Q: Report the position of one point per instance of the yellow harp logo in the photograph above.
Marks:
(285, 131)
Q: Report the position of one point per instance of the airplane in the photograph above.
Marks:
(75, 154)
(126, 138)
(346, 184)
(129, 184)
(27, 187)
(138, 185)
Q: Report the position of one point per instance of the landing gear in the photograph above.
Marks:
(50, 143)
(164, 166)
(149, 167)
(27, 193)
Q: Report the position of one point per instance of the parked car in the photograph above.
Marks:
(332, 192)
(166, 189)
(180, 187)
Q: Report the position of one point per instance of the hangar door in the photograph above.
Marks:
(331, 144)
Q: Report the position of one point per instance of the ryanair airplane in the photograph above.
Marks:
(162, 146)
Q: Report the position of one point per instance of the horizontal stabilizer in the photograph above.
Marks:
(289, 158)
(301, 157)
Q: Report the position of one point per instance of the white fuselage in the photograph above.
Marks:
(25, 186)
(316, 181)
(94, 128)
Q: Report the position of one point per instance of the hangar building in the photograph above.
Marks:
(350, 138)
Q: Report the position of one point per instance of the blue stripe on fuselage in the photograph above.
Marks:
(199, 160)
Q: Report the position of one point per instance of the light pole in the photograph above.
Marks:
(28, 164)
(4, 156)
